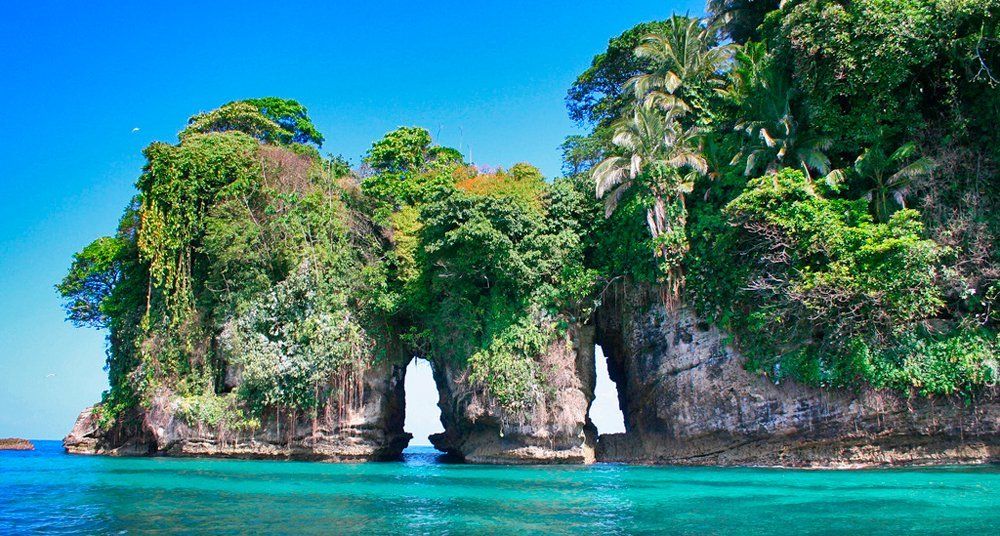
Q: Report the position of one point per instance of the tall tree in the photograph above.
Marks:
(684, 65)
(92, 278)
(598, 96)
(659, 156)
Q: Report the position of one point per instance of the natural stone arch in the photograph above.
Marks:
(412, 367)
(555, 429)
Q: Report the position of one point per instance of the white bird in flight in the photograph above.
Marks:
(136, 129)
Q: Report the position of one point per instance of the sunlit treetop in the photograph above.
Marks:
(268, 119)
(408, 149)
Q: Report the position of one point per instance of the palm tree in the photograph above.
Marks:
(750, 62)
(661, 157)
(683, 56)
(778, 142)
(889, 175)
(775, 138)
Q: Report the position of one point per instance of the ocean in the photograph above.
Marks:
(48, 491)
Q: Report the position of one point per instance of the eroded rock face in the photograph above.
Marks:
(688, 400)
(555, 430)
(683, 390)
(370, 428)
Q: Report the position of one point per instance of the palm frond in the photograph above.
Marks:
(835, 178)
(667, 102)
(919, 168)
(691, 160)
(905, 152)
(813, 158)
(609, 173)
(612, 199)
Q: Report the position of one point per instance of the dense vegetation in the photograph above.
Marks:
(819, 178)
(250, 275)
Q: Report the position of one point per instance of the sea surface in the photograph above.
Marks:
(47, 491)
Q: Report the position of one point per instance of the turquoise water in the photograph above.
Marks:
(48, 491)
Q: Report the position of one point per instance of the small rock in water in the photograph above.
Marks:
(13, 443)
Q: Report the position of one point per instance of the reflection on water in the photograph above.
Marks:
(48, 491)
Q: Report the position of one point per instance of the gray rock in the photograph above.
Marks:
(688, 400)
(682, 387)
(555, 429)
(369, 427)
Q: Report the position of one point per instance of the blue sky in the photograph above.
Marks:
(78, 77)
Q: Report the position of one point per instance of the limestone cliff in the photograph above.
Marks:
(368, 428)
(682, 387)
(688, 400)
(555, 429)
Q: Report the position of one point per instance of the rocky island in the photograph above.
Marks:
(790, 260)
(12, 443)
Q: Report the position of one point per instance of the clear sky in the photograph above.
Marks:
(86, 85)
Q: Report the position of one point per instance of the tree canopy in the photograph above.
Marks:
(268, 119)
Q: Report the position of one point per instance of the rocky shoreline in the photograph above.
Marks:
(686, 398)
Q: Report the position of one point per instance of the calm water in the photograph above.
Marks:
(48, 491)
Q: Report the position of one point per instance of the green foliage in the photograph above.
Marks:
(268, 119)
(291, 264)
(580, 153)
(178, 186)
(501, 277)
(221, 230)
(501, 366)
(404, 149)
(258, 233)
(292, 341)
(889, 176)
(87, 288)
(741, 19)
(409, 149)
(623, 245)
(956, 362)
(774, 137)
(217, 411)
(684, 68)
(886, 67)
(292, 117)
(407, 169)
(822, 279)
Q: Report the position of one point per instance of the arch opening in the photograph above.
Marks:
(606, 410)
(421, 414)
